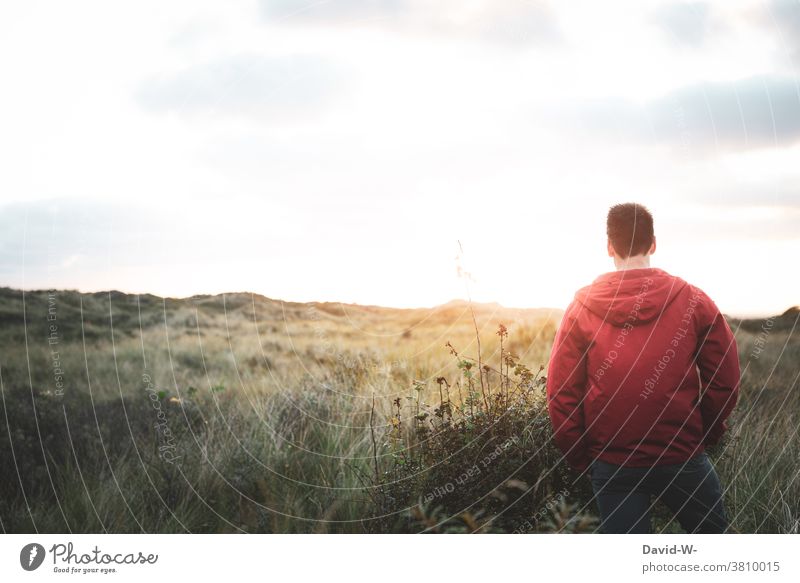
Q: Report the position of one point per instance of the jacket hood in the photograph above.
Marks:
(634, 296)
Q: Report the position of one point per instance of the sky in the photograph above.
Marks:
(375, 151)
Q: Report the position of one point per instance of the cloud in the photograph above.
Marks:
(91, 243)
(684, 23)
(516, 23)
(511, 22)
(780, 193)
(761, 223)
(785, 15)
(756, 112)
(245, 85)
(759, 111)
(52, 237)
(332, 10)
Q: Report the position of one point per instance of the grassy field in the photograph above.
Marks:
(237, 413)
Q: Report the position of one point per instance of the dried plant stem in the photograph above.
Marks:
(374, 441)
(480, 362)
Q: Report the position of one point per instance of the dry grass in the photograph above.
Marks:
(269, 410)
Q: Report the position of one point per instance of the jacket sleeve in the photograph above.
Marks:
(566, 387)
(718, 364)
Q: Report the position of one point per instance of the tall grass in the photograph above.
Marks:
(275, 416)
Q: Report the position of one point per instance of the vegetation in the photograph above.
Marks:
(237, 413)
(482, 460)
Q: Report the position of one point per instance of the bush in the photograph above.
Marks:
(483, 460)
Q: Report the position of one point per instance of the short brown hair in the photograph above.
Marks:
(630, 229)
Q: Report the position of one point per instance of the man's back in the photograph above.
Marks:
(644, 371)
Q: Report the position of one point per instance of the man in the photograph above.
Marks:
(643, 374)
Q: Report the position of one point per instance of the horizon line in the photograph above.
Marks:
(737, 315)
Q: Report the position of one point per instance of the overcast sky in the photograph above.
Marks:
(340, 150)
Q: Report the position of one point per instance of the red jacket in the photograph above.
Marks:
(644, 371)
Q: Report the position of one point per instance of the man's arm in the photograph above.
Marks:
(718, 363)
(566, 386)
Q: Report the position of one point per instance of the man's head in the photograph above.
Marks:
(631, 240)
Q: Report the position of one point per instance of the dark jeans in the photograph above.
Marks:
(691, 490)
